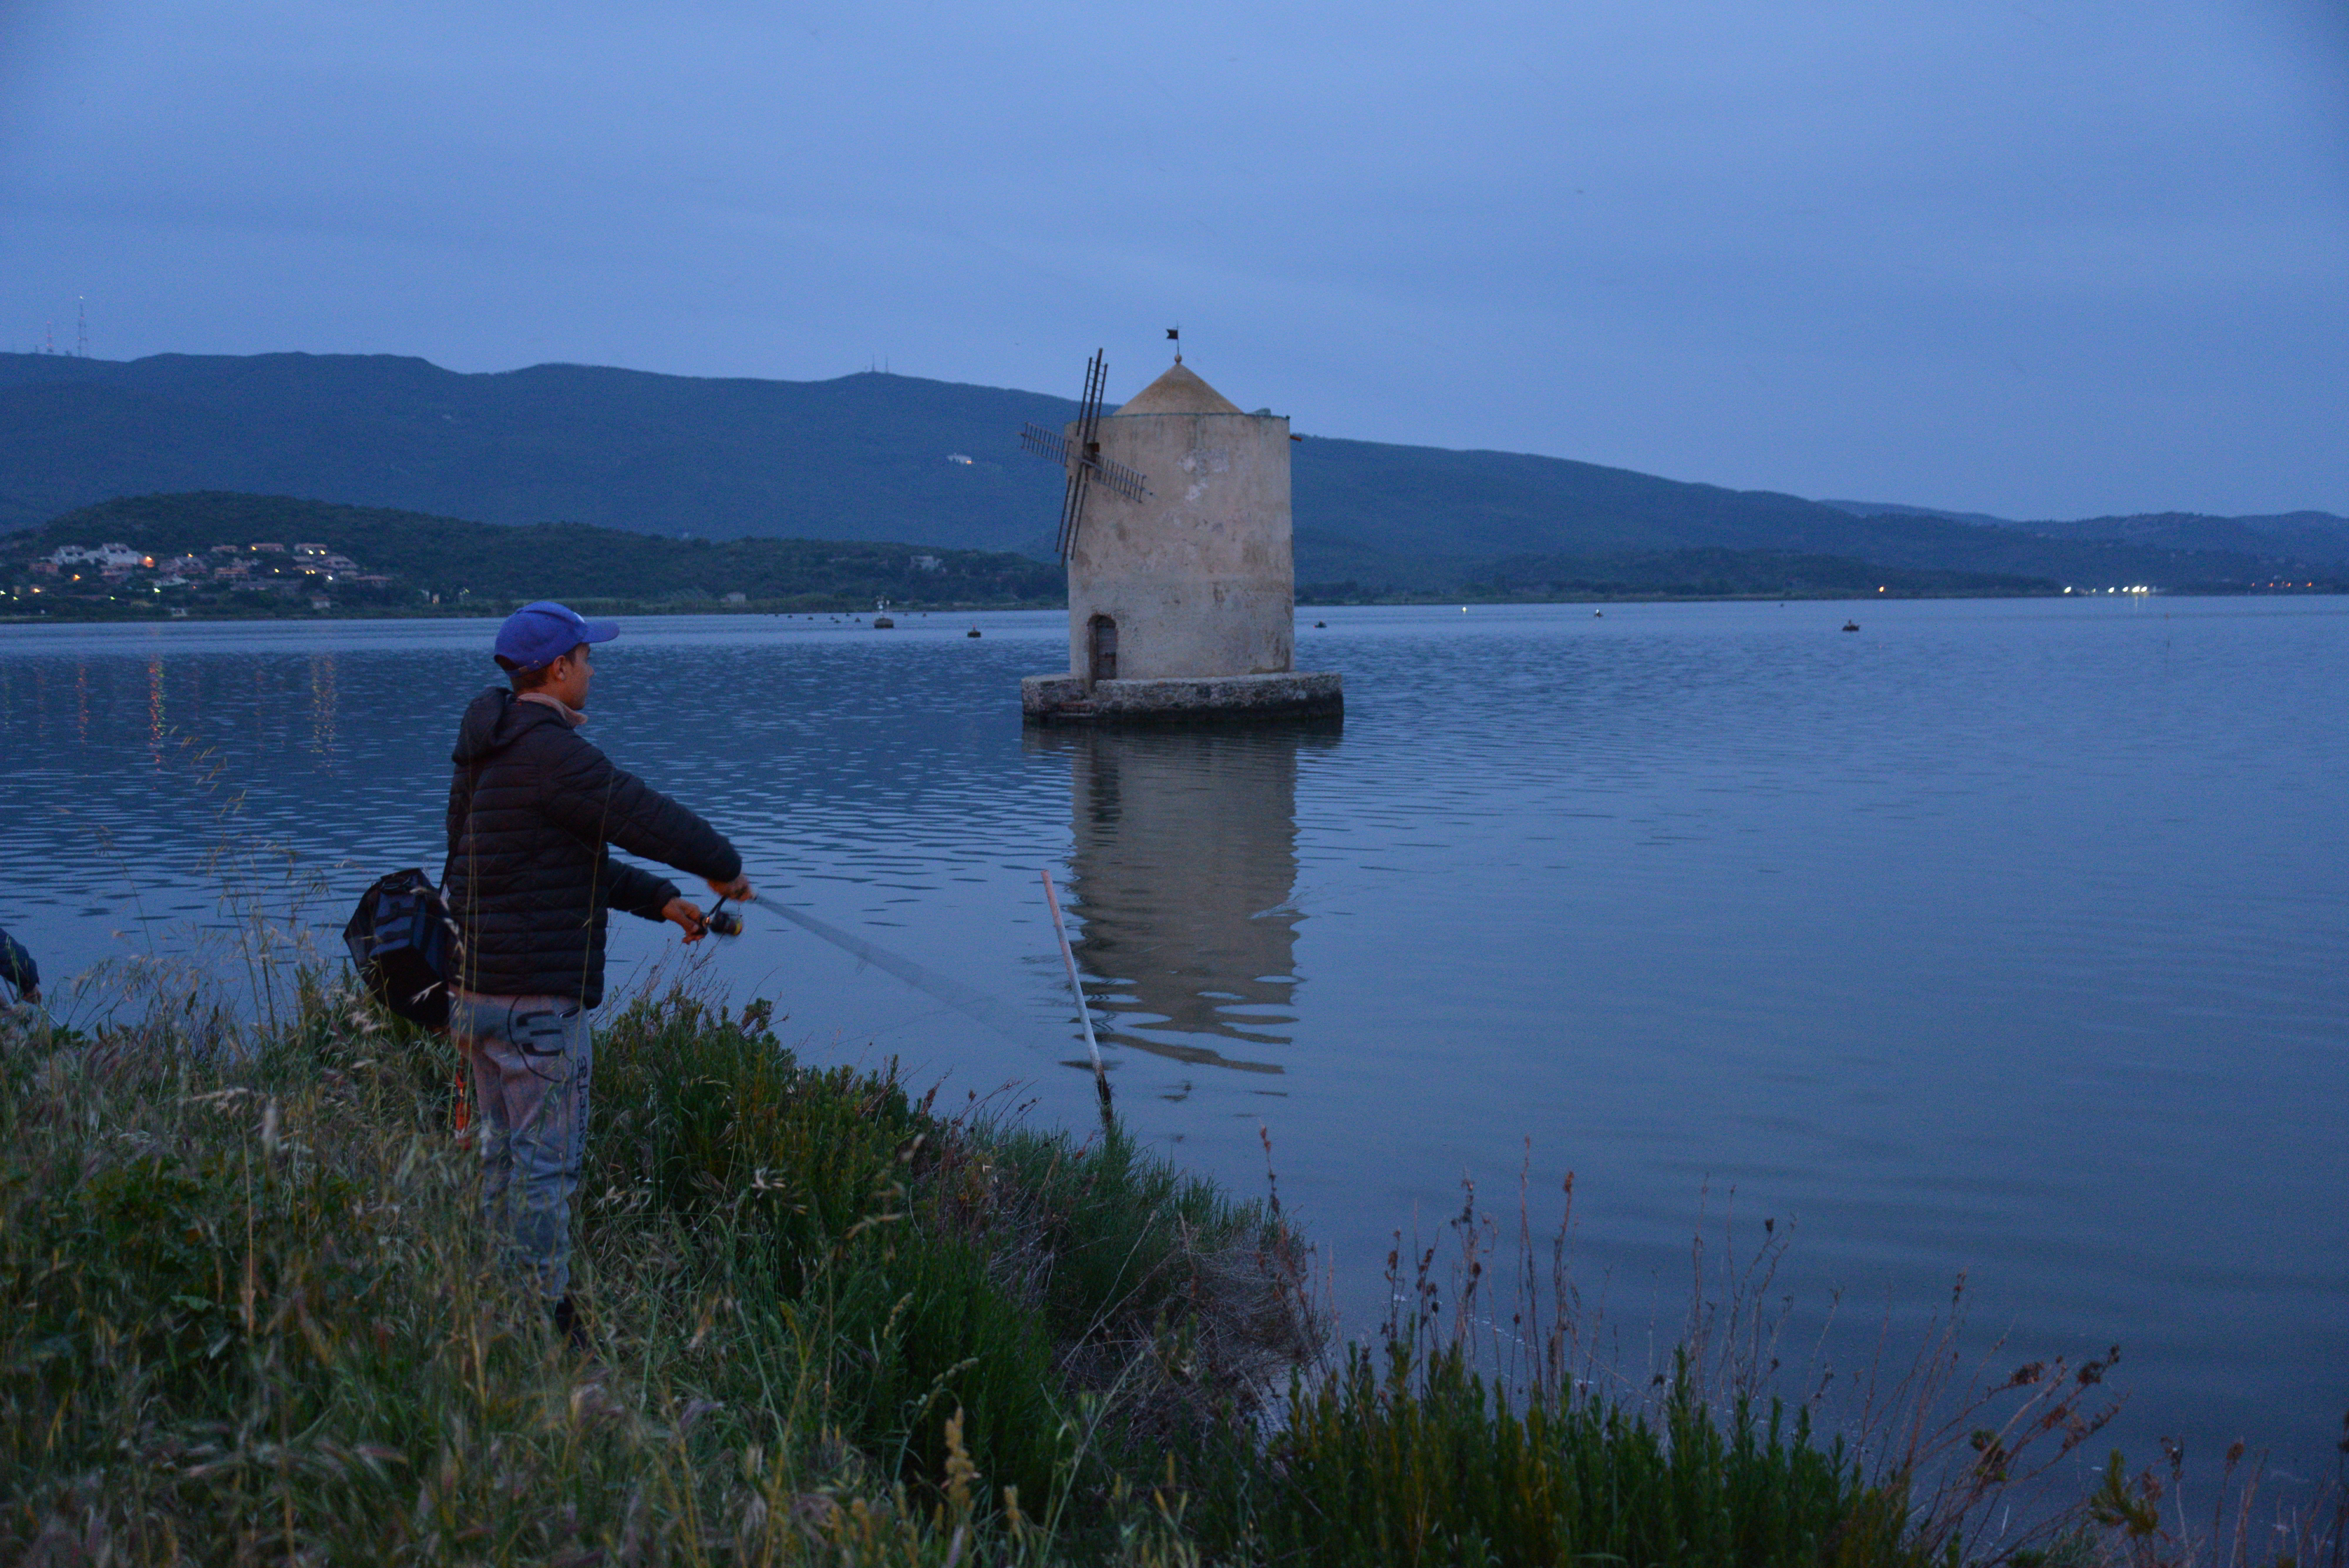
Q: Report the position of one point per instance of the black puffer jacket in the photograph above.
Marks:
(532, 811)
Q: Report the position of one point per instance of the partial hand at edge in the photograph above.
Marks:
(738, 889)
(686, 914)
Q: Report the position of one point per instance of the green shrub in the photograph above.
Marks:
(701, 1115)
(1123, 1230)
(1426, 1464)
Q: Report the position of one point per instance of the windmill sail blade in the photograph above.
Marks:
(1044, 443)
(1082, 453)
(1072, 507)
(1121, 479)
(1089, 411)
(1087, 453)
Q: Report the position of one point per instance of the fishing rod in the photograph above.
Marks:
(1077, 989)
(996, 1014)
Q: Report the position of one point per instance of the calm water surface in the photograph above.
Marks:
(2001, 938)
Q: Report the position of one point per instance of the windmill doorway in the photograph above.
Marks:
(1100, 648)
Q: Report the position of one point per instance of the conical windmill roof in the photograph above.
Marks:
(1179, 392)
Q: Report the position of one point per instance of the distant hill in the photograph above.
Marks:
(1370, 507)
(868, 458)
(864, 457)
(1895, 509)
(2317, 538)
(457, 564)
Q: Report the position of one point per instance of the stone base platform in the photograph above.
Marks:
(1209, 700)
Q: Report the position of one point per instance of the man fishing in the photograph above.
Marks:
(534, 811)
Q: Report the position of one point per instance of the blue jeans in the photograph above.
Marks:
(531, 1058)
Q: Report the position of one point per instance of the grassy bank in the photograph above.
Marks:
(248, 1313)
(245, 1316)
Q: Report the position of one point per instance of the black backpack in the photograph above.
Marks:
(404, 945)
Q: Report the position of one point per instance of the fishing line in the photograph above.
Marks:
(999, 1015)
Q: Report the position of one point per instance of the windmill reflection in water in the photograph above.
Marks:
(1183, 873)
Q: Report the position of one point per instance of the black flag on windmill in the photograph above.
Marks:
(1082, 457)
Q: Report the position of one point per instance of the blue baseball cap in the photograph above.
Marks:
(541, 633)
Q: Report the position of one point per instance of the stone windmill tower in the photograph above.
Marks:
(1182, 581)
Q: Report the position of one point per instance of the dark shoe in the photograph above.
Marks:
(566, 1321)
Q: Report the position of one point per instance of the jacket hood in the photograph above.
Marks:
(495, 721)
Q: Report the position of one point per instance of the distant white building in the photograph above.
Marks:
(109, 556)
(928, 564)
(958, 457)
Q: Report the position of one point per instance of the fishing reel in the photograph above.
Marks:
(721, 922)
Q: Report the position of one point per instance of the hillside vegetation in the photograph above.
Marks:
(448, 564)
(865, 457)
(871, 457)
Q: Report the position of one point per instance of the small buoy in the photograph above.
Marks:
(1598, 614)
(883, 623)
(972, 632)
(1851, 625)
(1321, 623)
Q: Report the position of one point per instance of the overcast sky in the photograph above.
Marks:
(2040, 260)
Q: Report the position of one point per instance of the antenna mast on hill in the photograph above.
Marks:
(81, 330)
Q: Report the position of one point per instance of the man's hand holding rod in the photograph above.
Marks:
(688, 915)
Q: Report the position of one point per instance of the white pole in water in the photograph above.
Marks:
(1069, 957)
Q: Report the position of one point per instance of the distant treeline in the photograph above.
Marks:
(1725, 574)
(449, 563)
(411, 564)
(1694, 574)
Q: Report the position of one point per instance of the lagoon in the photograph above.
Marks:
(1998, 938)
